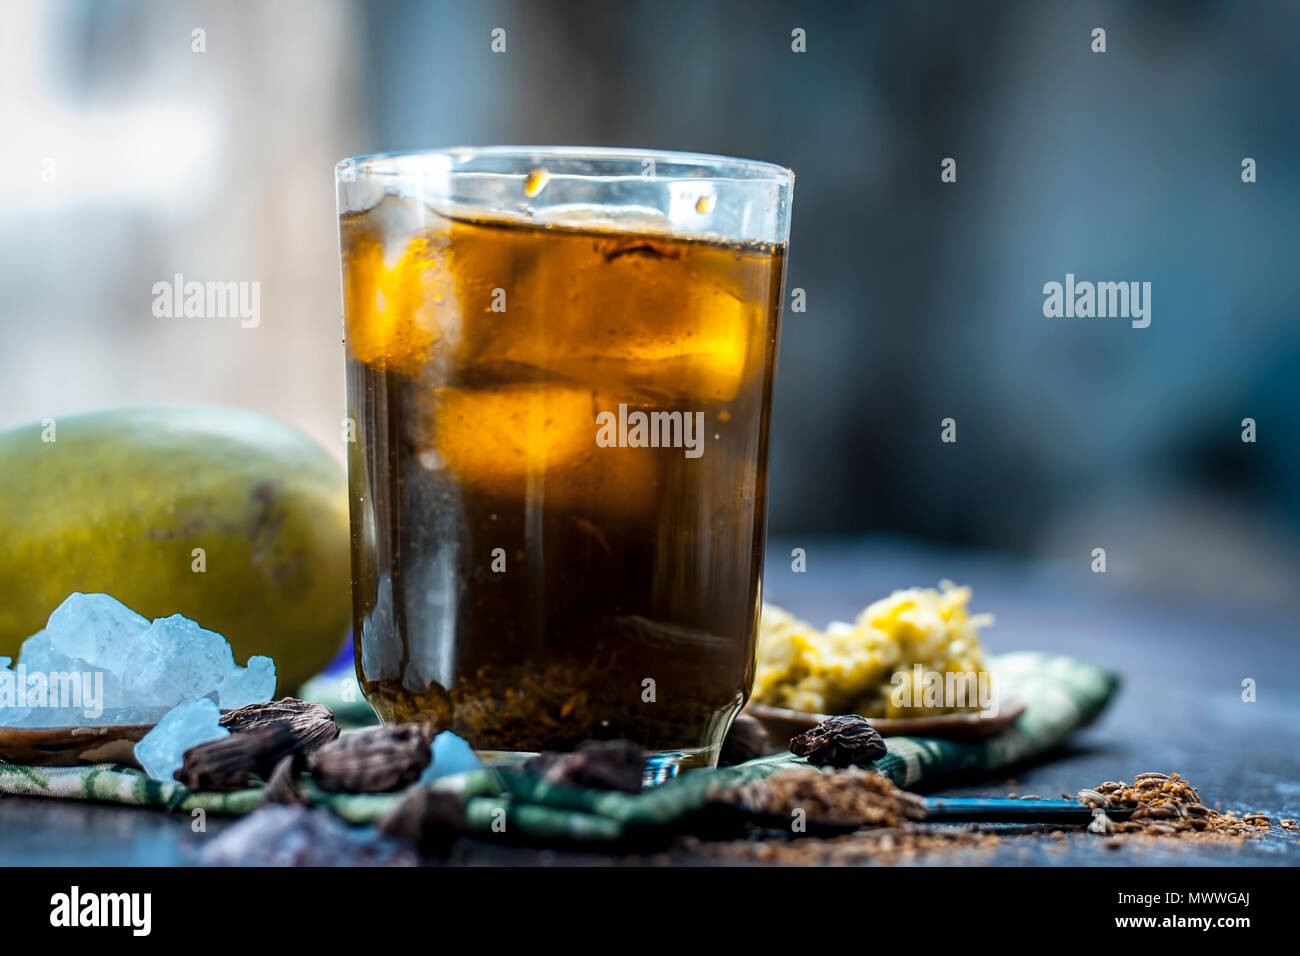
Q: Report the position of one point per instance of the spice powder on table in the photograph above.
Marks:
(1167, 808)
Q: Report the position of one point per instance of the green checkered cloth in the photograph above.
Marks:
(1060, 695)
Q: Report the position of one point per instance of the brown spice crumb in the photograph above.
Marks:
(902, 843)
(1166, 805)
(842, 797)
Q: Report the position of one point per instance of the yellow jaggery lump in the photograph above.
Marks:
(855, 668)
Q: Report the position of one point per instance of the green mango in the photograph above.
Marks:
(231, 518)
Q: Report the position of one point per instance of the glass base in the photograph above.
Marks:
(660, 765)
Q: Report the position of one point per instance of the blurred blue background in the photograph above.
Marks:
(130, 156)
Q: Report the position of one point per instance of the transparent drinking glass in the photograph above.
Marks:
(559, 367)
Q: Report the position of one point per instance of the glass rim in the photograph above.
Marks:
(713, 166)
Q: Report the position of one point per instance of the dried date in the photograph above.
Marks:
(233, 762)
(840, 742)
(312, 723)
(378, 760)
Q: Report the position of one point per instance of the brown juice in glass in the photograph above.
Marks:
(517, 580)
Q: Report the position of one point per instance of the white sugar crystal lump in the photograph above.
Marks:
(178, 661)
(249, 685)
(451, 755)
(161, 752)
(127, 669)
(94, 628)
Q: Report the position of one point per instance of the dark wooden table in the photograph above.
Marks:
(1181, 708)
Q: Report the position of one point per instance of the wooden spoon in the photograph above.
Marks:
(71, 746)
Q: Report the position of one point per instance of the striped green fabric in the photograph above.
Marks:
(1060, 694)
